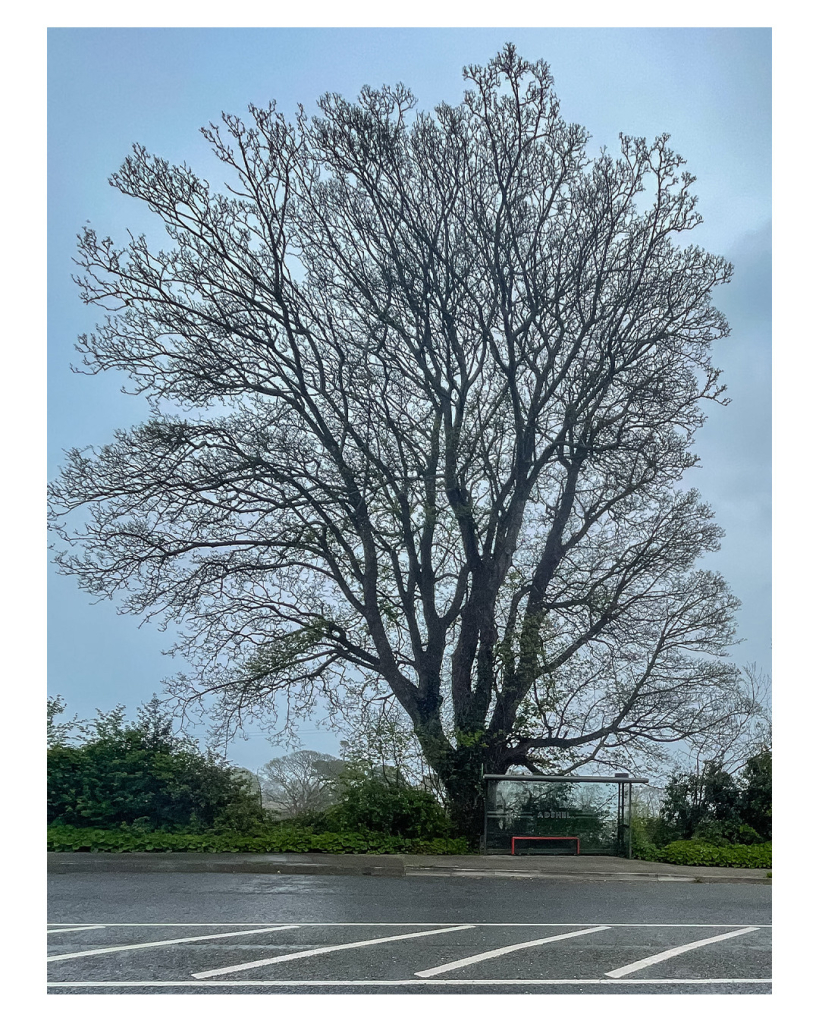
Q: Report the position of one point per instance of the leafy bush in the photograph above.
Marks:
(711, 807)
(693, 800)
(313, 821)
(142, 773)
(727, 833)
(372, 803)
(642, 845)
(66, 838)
(698, 853)
(649, 834)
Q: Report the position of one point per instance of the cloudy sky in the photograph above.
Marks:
(108, 88)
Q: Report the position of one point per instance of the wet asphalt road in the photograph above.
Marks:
(641, 919)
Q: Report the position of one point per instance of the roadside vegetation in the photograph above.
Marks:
(275, 839)
(117, 786)
(711, 818)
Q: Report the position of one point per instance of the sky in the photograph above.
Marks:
(109, 88)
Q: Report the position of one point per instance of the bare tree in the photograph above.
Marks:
(299, 782)
(437, 378)
(737, 737)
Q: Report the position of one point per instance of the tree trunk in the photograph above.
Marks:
(460, 770)
(466, 808)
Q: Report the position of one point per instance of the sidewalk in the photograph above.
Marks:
(577, 869)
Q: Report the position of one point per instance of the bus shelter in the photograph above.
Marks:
(558, 814)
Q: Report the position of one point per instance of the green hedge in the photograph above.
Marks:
(145, 774)
(66, 838)
(698, 853)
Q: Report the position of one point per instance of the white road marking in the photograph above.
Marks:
(326, 949)
(453, 965)
(411, 982)
(169, 942)
(394, 924)
(76, 928)
(638, 965)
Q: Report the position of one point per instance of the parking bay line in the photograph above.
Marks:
(638, 965)
(77, 928)
(453, 965)
(390, 983)
(326, 949)
(397, 924)
(169, 942)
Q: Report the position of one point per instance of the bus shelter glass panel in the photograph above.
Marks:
(597, 813)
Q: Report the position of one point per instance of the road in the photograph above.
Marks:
(195, 933)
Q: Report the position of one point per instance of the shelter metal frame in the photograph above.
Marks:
(624, 799)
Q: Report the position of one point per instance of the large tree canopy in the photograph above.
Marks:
(423, 389)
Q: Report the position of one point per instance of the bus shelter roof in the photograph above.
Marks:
(567, 778)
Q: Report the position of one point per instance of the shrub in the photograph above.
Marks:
(695, 852)
(371, 802)
(719, 807)
(142, 773)
(642, 847)
(727, 833)
(649, 834)
(315, 821)
(693, 800)
(283, 839)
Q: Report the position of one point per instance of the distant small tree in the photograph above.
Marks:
(303, 782)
